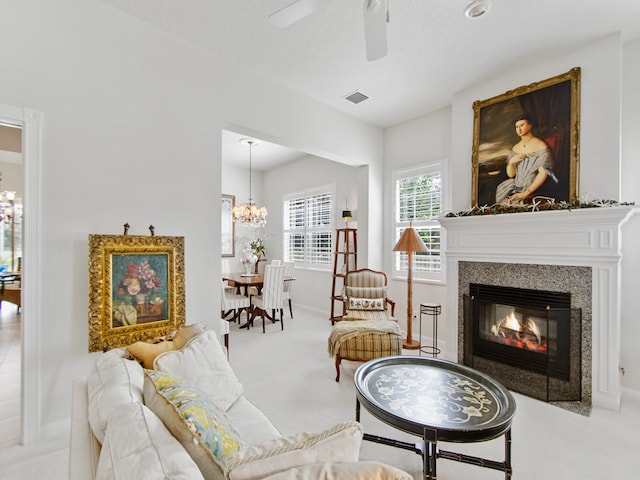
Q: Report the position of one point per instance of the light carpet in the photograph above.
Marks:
(289, 375)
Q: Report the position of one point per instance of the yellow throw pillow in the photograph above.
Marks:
(145, 352)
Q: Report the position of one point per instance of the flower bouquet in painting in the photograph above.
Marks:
(140, 295)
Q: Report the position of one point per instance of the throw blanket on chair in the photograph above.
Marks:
(346, 330)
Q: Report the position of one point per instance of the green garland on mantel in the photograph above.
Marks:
(539, 204)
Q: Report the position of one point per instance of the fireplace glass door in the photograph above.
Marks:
(525, 331)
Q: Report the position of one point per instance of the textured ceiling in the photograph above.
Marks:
(434, 50)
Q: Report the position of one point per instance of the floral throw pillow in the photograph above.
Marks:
(202, 428)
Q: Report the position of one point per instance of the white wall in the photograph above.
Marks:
(132, 122)
(419, 141)
(631, 231)
(312, 287)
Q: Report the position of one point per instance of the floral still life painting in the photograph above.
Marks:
(141, 294)
(136, 289)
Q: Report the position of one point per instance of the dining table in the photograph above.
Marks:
(243, 282)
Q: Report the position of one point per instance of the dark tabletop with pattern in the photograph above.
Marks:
(411, 393)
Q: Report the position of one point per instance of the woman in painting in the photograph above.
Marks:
(528, 165)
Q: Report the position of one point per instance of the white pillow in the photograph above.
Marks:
(340, 443)
(138, 446)
(363, 470)
(112, 382)
(203, 363)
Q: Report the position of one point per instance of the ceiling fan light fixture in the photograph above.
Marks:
(477, 9)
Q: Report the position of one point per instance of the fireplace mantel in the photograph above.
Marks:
(579, 237)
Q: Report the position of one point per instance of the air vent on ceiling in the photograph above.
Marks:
(356, 97)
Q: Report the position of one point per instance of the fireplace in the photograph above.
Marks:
(528, 339)
(571, 250)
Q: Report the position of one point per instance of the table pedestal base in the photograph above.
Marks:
(429, 451)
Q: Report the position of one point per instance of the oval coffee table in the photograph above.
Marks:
(437, 400)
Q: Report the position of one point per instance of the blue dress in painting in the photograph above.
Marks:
(526, 172)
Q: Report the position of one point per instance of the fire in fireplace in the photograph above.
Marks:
(515, 330)
(525, 330)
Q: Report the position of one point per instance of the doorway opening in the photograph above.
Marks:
(11, 214)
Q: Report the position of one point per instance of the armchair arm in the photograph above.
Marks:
(393, 306)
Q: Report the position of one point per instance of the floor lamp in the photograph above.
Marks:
(410, 242)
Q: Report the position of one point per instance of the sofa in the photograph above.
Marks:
(175, 410)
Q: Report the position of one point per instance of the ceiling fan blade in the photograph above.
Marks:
(375, 13)
(295, 11)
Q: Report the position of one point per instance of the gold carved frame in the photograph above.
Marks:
(554, 105)
(136, 288)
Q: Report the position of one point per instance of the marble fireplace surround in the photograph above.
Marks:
(588, 237)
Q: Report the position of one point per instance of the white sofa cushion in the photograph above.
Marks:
(112, 382)
(202, 362)
(252, 424)
(200, 425)
(363, 470)
(137, 446)
(340, 443)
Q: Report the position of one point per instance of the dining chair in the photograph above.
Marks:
(226, 268)
(234, 302)
(271, 298)
(288, 284)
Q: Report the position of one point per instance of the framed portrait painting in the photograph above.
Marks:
(227, 242)
(526, 143)
(136, 288)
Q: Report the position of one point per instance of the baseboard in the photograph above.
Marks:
(630, 393)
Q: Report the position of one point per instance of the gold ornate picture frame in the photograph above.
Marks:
(136, 288)
(554, 107)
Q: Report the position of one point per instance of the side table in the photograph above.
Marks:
(432, 309)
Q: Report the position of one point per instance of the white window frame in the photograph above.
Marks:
(399, 260)
(309, 258)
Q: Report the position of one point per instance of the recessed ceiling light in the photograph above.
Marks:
(477, 9)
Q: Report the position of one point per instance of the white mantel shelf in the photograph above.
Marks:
(555, 236)
(579, 237)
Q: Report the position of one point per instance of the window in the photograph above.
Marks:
(418, 195)
(11, 236)
(308, 227)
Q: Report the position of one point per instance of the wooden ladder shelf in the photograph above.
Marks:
(345, 260)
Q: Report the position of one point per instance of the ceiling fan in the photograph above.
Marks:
(375, 14)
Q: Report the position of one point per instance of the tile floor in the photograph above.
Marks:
(9, 374)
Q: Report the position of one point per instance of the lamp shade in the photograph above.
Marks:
(410, 241)
(346, 214)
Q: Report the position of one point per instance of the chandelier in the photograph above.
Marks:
(248, 213)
